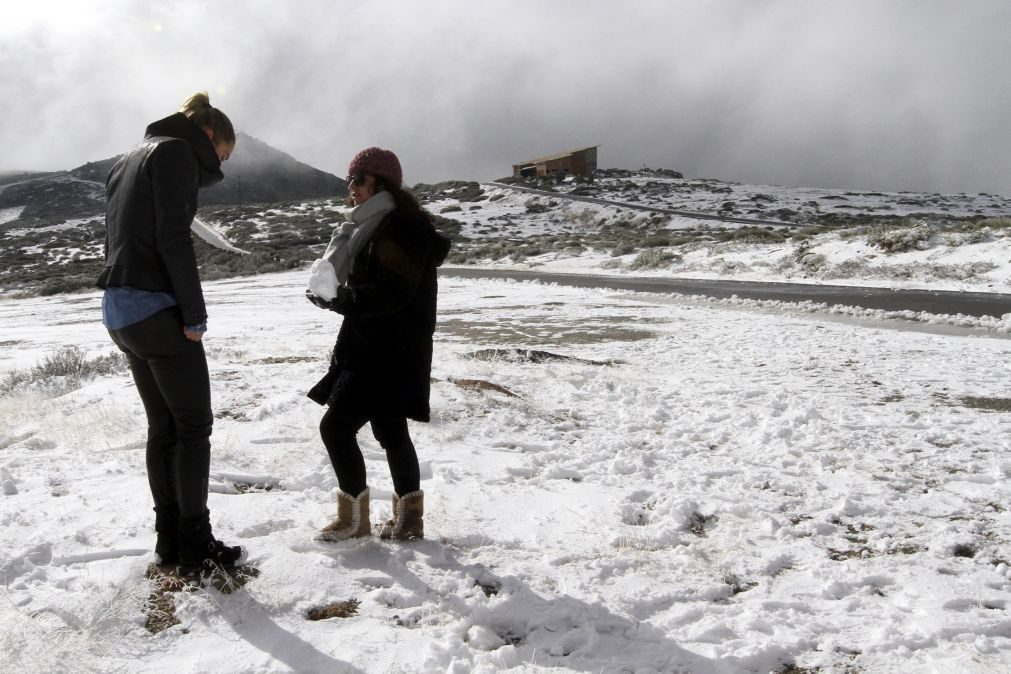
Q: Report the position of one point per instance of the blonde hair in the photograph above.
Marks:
(198, 109)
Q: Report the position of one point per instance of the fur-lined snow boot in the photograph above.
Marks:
(166, 525)
(408, 522)
(352, 518)
(199, 550)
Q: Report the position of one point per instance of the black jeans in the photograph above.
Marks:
(339, 430)
(170, 372)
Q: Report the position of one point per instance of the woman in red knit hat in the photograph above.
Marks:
(379, 272)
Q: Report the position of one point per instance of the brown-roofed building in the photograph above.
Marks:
(577, 162)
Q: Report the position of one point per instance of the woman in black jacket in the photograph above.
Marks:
(153, 307)
(379, 272)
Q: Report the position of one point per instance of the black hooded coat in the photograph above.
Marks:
(382, 363)
(152, 199)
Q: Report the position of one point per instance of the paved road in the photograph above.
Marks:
(931, 301)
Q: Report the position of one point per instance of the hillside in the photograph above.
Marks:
(256, 173)
(658, 223)
(647, 222)
(52, 225)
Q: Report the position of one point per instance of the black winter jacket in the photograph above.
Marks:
(382, 363)
(152, 198)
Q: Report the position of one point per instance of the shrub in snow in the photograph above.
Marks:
(804, 258)
(655, 241)
(654, 258)
(752, 235)
(527, 251)
(65, 368)
(451, 189)
(900, 240)
(807, 233)
(623, 248)
(611, 264)
(955, 272)
(537, 206)
(989, 223)
(956, 239)
(585, 216)
(812, 262)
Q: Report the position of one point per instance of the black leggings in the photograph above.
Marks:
(339, 430)
(171, 376)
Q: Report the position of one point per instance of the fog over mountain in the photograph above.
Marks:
(261, 174)
(903, 95)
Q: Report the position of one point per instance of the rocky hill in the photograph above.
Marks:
(257, 174)
(645, 222)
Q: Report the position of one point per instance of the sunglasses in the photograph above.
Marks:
(356, 180)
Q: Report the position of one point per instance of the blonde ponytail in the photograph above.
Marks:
(198, 109)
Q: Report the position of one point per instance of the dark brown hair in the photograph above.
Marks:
(402, 199)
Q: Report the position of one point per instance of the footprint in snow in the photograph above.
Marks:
(238, 483)
(26, 562)
(637, 508)
(10, 487)
(39, 444)
(279, 441)
(967, 605)
(8, 440)
(266, 528)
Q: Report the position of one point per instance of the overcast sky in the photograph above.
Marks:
(859, 94)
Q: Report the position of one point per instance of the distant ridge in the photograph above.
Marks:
(257, 173)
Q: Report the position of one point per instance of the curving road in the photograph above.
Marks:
(931, 301)
(654, 209)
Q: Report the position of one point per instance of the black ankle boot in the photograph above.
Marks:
(166, 524)
(198, 549)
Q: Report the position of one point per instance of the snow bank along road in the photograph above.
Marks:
(930, 301)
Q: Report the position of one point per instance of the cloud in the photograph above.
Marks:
(900, 95)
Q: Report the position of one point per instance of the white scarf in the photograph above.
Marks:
(348, 239)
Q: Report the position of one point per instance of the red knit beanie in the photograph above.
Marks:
(379, 162)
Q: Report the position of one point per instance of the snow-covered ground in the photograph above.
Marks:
(8, 214)
(510, 212)
(712, 487)
(983, 266)
(659, 189)
(917, 251)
